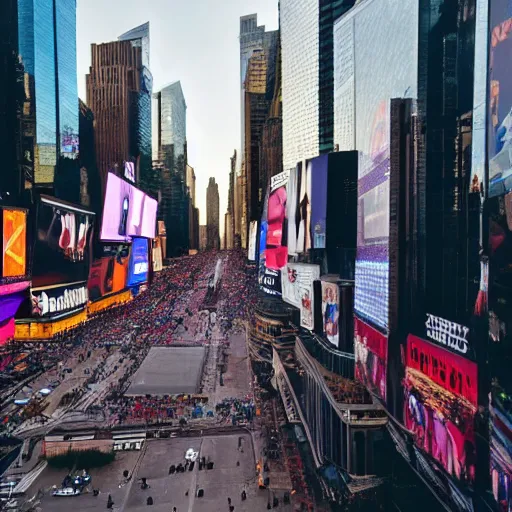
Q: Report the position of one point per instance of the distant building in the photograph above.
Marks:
(203, 238)
(119, 86)
(193, 221)
(212, 215)
(170, 150)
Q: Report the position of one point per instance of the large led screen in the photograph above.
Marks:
(319, 167)
(331, 312)
(139, 265)
(9, 305)
(371, 68)
(276, 254)
(62, 245)
(127, 212)
(14, 234)
(499, 133)
(440, 403)
(371, 354)
(297, 287)
(109, 273)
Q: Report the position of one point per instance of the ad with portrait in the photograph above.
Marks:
(499, 132)
(331, 312)
(139, 262)
(109, 273)
(127, 212)
(54, 301)
(371, 355)
(297, 288)
(14, 242)
(276, 254)
(440, 403)
(63, 243)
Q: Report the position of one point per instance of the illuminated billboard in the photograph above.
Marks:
(14, 236)
(109, 273)
(297, 288)
(62, 243)
(253, 235)
(319, 167)
(157, 255)
(440, 406)
(54, 301)
(370, 72)
(276, 254)
(499, 133)
(127, 212)
(9, 305)
(331, 312)
(139, 265)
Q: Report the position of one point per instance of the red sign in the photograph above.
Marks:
(450, 371)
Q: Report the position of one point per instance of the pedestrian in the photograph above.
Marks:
(229, 501)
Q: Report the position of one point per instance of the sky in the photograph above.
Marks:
(196, 42)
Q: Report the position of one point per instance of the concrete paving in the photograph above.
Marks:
(169, 371)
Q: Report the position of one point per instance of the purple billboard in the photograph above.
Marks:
(127, 212)
(319, 201)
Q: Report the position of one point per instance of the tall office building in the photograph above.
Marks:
(39, 95)
(193, 221)
(229, 228)
(212, 215)
(170, 150)
(203, 238)
(119, 86)
(307, 76)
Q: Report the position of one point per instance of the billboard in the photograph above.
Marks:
(139, 265)
(109, 273)
(331, 312)
(58, 300)
(14, 238)
(157, 255)
(499, 132)
(129, 171)
(62, 243)
(297, 288)
(276, 254)
(371, 354)
(319, 167)
(269, 279)
(9, 305)
(298, 208)
(253, 235)
(127, 212)
(440, 403)
(365, 82)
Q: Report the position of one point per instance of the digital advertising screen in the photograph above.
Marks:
(253, 235)
(369, 73)
(440, 404)
(319, 168)
(54, 301)
(14, 238)
(371, 354)
(331, 312)
(9, 305)
(109, 273)
(276, 254)
(139, 265)
(127, 212)
(62, 244)
(297, 288)
(499, 132)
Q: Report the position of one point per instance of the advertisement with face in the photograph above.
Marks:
(499, 133)
(276, 254)
(297, 287)
(127, 212)
(58, 300)
(440, 403)
(371, 354)
(109, 273)
(14, 235)
(319, 167)
(331, 312)
(62, 245)
(253, 235)
(371, 78)
(139, 266)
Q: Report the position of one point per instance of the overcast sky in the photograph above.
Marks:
(196, 42)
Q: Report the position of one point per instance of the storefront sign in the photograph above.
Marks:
(447, 333)
(58, 300)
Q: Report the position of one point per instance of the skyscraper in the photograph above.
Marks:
(212, 215)
(119, 86)
(193, 220)
(42, 35)
(170, 150)
(307, 75)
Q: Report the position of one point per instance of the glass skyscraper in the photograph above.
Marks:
(47, 50)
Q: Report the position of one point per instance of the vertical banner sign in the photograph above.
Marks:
(319, 201)
(253, 234)
(14, 243)
(276, 255)
(331, 312)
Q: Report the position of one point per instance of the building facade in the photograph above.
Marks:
(193, 221)
(119, 87)
(212, 215)
(203, 239)
(170, 149)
